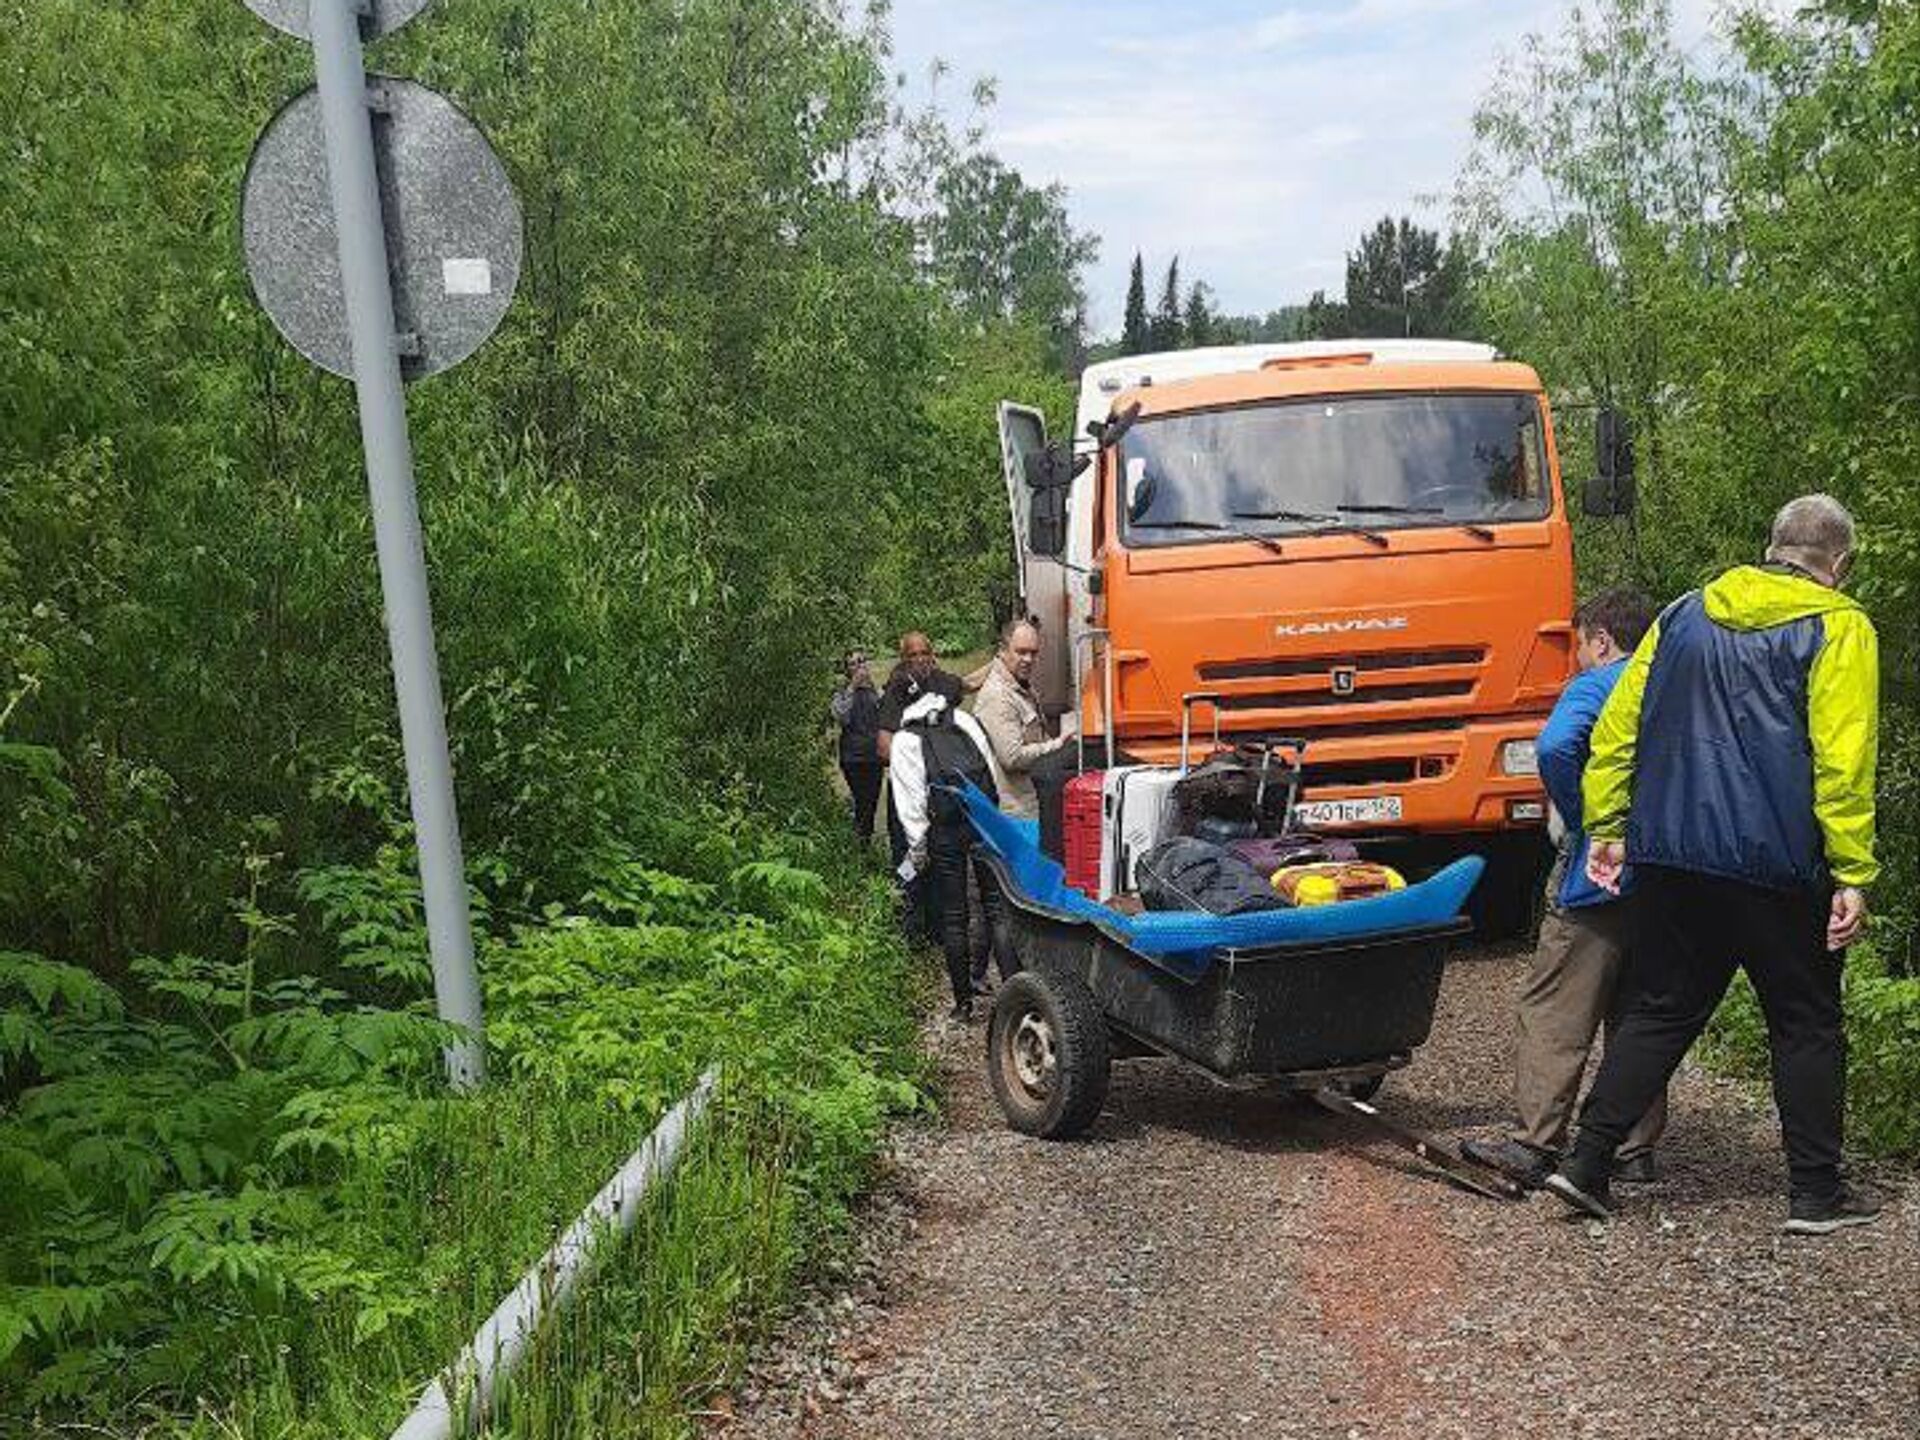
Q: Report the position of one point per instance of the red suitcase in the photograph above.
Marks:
(1082, 824)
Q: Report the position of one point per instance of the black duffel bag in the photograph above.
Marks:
(1188, 874)
(1227, 787)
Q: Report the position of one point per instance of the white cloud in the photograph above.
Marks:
(1257, 143)
(1283, 29)
(1332, 137)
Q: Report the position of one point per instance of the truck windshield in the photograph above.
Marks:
(1293, 467)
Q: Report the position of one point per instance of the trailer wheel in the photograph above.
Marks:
(1364, 1088)
(1048, 1055)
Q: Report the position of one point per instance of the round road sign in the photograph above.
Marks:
(291, 15)
(452, 221)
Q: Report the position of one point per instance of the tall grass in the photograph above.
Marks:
(319, 1227)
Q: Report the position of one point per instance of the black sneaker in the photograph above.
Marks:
(1824, 1214)
(1584, 1191)
(1514, 1159)
(1639, 1170)
(962, 1013)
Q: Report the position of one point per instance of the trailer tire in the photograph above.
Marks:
(1364, 1088)
(1048, 1055)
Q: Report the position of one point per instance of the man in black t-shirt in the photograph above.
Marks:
(917, 674)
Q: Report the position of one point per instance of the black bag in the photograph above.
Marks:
(951, 756)
(1188, 874)
(1216, 830)
(1247, 785)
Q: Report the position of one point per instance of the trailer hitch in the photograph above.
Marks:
(1455, 1167)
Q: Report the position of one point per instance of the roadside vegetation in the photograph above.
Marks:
(234, 1197)
(1729, 251)
(739, 419)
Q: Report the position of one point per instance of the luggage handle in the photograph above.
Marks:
(1187, 702)
(1296, 770)
(1090, 637)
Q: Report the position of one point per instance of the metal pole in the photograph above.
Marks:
(1106, 700)
(340, 69)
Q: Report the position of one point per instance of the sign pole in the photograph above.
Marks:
(340, 70)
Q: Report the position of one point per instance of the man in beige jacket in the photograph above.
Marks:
(1011, 718)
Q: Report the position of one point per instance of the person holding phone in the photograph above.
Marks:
(855, 708)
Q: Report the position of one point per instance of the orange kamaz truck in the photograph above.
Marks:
(1364, 544)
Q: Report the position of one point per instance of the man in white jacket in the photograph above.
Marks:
(935, 747)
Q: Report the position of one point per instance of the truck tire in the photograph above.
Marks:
(1048, 1055)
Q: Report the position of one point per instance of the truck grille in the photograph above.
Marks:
(1359, 772)
(1364, 695)
(1324, 665)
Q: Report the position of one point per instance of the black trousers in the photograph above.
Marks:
(896, 833)
(955, 871)
(863, 784)
(1694, 932)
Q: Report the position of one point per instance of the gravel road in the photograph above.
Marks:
(1216, 1264)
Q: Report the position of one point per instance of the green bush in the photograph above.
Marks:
(1883, 1051)
(234, 1182)
(729, 426)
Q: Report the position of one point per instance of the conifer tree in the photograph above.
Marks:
(1135, 336)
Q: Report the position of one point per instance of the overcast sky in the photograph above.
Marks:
(1257, 138)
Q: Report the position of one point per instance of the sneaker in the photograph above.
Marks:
(1637, 1170)
(1514, 1159)
(961, 1014)
(1585, 1192)
(1824, 1214)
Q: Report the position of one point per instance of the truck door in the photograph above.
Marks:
(1038, 486)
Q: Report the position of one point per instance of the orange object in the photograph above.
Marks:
(1411, 621)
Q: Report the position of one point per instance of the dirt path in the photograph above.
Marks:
(1212, 1264)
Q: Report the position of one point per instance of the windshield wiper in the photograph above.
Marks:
(1479, 532)
(1214, 526)
(1323, 524)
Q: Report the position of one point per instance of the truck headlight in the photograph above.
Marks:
(1519, 757)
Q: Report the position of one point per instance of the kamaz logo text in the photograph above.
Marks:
(1288, 629)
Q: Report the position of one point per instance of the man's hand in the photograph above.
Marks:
(1847, 918)
(1605, 860)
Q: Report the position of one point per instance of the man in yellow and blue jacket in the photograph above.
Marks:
(1733, 766)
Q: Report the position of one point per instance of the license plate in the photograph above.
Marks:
(1373, 810)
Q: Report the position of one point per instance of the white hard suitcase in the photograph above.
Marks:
(1136, 805)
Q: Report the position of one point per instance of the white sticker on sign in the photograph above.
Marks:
(467, 276)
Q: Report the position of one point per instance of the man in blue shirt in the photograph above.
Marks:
(1573, 987)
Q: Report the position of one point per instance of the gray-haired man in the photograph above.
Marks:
(1734, 766)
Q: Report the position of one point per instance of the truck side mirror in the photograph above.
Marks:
(1611, 491)
(1047, 527)
(1053, 468)
(1050, 474)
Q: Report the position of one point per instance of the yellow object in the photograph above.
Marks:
(1333, 881)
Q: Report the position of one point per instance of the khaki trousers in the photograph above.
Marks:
(1571, 991)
